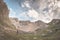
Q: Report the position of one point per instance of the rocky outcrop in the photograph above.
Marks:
(4, 15)
(3, 11)
(28, 26)
(5, 24)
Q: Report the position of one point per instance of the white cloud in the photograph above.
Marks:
(26, 3)
(36, 12)
(12, 13)
(23, 16)
(39, 16)
(58, 3)
(32, 13)
(22, 5)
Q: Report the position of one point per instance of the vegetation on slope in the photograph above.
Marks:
(8, 32)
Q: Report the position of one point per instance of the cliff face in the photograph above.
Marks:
(28, 26)
(4, 15)
(3, 11)
(4, 19)
(5, 23)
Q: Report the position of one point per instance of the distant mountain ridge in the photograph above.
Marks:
(27, 25)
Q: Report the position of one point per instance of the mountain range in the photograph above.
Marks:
(14, 29)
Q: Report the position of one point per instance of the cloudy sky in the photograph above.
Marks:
(32, 10)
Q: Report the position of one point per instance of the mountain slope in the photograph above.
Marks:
(5, 23)
(50, 31)
(28, 26)
(8, 31)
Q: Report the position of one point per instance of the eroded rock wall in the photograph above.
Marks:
(3, 11)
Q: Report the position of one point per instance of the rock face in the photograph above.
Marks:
(28, 26)
(3, 11)
(5, 23)
(4, 15)
(50, 30)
